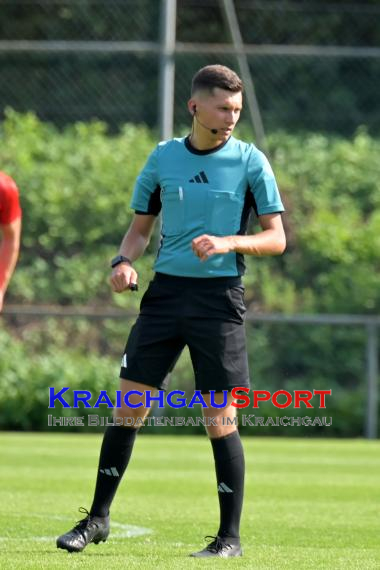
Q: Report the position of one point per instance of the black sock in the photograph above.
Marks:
(114, 457)
(229, 466)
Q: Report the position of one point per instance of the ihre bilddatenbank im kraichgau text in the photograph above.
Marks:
(176, 399)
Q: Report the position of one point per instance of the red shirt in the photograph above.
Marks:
(10, 208)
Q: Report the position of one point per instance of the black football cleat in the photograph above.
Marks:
(90, 529)
(220, 547)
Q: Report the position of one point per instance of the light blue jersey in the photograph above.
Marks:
(204, 192)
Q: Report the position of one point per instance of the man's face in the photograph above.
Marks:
(218, 110)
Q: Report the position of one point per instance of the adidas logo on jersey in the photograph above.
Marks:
(200, 178)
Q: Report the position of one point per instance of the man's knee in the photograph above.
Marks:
(220, 429)
(222, 421)
(133, 409)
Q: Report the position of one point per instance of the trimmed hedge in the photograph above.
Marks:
(76, 186)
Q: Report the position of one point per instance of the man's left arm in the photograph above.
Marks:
(270, 241)
(9, 250)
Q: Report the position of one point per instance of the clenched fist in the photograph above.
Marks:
(123, 278)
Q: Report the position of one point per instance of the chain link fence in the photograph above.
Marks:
(315, 66)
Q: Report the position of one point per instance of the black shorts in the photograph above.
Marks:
(207, 315)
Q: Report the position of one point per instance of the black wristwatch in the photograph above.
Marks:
(120, 259)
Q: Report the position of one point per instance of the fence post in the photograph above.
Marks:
(167, 68)
(230, 17)
(372, 382)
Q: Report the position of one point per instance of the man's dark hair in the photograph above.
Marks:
(213, 76)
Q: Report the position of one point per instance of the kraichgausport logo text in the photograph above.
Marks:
(178, 399)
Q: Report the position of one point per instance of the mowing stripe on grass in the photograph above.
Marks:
(119, 530)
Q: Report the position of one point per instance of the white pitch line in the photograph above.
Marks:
(128, 530)
(122, 530)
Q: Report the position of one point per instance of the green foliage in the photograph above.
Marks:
(76, 187)
(332, 196)
(333, 94)
(72, 20)
(25, 379)
(57, 356)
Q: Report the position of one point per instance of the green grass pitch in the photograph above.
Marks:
(309, 503)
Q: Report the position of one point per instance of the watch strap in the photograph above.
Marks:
(120, 259)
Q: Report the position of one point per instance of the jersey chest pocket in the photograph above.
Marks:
(173, 211)
(222, 212)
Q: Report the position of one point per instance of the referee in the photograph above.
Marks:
(206, 185)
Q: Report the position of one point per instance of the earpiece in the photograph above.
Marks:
(194, 109)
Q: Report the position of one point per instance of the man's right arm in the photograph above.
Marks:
(9, 250)
(133, 246)
(147, 205)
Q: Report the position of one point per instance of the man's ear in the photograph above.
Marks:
(191, 105)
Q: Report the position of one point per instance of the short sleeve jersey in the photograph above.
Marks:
(204, 192)
(10, 208)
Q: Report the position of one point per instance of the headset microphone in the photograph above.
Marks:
(214, 131)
